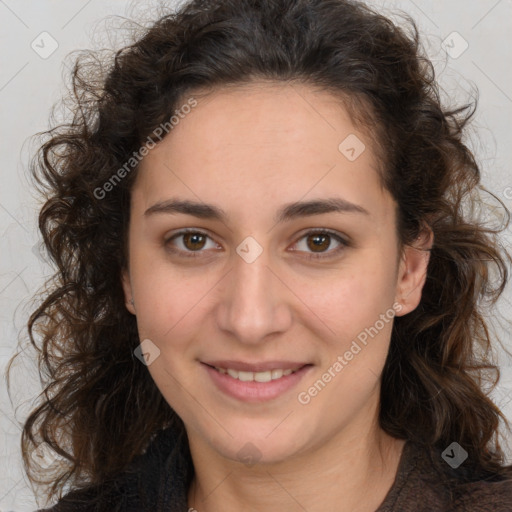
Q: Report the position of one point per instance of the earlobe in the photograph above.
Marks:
(413, 271)
(128, 292)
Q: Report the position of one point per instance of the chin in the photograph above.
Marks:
(264, 446)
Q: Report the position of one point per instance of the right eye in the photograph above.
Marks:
(192, 242)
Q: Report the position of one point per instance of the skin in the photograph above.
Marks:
(250, 150)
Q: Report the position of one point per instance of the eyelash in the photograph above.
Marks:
(195, 254)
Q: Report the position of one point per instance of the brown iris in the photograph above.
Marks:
(197, 241)
(320, 241)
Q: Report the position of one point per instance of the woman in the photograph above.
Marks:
(269, 294)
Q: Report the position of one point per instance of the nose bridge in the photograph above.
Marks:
(254, 305)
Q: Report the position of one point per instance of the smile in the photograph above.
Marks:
(257, 386)
(257, 376)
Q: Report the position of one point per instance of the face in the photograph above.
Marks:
(260, 282)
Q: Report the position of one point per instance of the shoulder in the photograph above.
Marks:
(136, 489)
(484, 495)
(119, 494)
(425, 482)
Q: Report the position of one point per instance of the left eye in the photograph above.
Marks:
(192, 242)
(322, 240)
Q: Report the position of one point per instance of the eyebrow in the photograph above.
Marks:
(288, 212)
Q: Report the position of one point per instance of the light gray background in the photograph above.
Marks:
(30, 85)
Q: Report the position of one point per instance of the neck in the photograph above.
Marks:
(350, 472)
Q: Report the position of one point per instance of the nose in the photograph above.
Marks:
(254, 301)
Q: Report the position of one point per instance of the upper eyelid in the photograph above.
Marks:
(186, 231)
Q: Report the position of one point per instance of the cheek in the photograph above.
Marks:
(172, 309)
(163, 296)
(353, 358)
(351, 300)
(167, 310)
(357, 308)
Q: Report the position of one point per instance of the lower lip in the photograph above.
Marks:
(253, 391)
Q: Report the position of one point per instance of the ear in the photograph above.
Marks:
(127, 287)
(412, 272)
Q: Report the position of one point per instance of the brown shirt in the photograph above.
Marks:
(158, 482)
(420, 487)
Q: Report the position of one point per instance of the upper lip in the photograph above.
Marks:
(256, 367)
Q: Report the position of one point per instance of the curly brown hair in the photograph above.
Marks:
(100, 407)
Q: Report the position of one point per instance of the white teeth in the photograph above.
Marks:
(244, 376)
(256, 376)
(277, 374)
(266, 376)
(233, 373)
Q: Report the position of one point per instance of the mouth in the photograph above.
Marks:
(260, 376)
(256, 386)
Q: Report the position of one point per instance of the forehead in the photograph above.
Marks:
(270, 114)
(262, 141)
